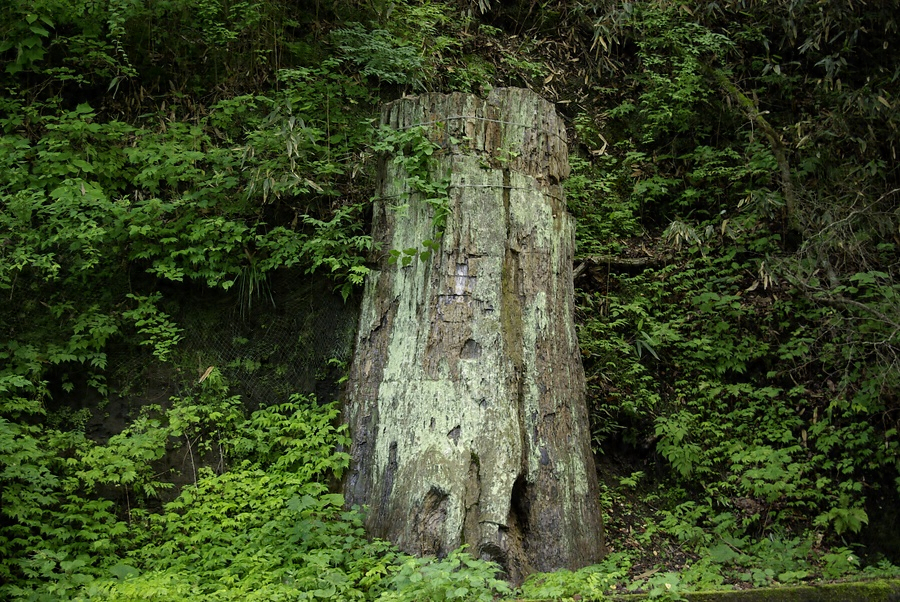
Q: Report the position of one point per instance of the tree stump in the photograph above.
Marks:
(465, 398)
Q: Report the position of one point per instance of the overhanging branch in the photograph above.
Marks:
(778, 150)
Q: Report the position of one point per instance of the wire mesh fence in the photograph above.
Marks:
(289, 334)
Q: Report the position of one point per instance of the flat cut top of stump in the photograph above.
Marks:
(514, 127)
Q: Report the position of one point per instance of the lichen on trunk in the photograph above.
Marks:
(466, 394)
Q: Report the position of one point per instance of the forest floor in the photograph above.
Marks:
(634, 497)
(628, 518)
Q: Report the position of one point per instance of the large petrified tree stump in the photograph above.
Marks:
(466, 393)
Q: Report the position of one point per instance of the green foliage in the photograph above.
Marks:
(94, 209)
(672, 50)
(695, 550)
(665, 586)
(410, 43)
(126, 461)
(265, 526)
(846, 517)
(269, 526)
(713, 426)
(92, 42)
(380, 55)
(413, 152)
(459, 576)
(474, 75)
(750, 382)
(163, 173)
(607, 341)
(156, 326)
(249, 533)
(300, 439)
(590, 583)
(152, 148)
(56, 537)
(604, 215)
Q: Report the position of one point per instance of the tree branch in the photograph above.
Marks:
(839, 301)
(616, 264)
(775, 140)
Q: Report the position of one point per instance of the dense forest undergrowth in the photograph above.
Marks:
(735, 184)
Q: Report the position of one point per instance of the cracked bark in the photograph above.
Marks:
(466, 393)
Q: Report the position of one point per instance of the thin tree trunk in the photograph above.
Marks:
(466, 393)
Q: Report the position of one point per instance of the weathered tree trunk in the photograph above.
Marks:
(466, 393)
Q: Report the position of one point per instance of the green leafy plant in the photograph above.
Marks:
(666, 586)
(413, 154)
(379, 54)
(156, 326)
(457, 577)
(590, 583)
